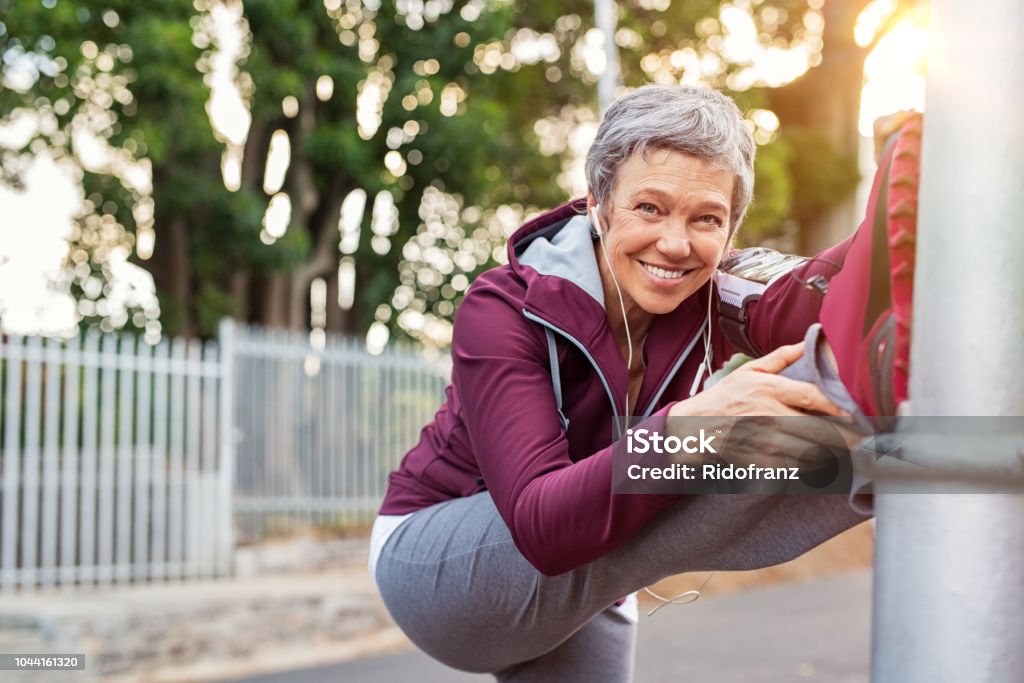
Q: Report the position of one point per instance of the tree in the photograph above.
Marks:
(819, 113)
(134, 80)
(425, 131)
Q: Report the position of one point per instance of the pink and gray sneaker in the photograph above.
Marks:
(866, 313)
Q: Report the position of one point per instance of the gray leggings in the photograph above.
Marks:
(459, 588)
(456, 584)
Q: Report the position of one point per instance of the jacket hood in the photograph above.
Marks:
(555, 252)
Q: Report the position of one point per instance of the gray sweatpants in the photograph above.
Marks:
(459, 588)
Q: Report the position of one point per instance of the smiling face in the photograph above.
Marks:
(666, 228)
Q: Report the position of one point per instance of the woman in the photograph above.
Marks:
(500, 546)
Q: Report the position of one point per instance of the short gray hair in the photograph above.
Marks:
(690, 119)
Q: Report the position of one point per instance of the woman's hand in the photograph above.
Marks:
(767, 435)
(756, 388)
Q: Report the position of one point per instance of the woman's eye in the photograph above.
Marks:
(711, 219)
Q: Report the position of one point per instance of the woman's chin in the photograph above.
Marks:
(662, 302)
(660, 305)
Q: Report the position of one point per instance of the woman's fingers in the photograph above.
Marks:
(776, 361)
(757, 389)
(810, 429)
(803, 396)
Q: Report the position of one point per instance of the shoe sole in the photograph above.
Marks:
(904, 183)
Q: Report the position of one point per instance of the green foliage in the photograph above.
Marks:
(821, 173)
(774, 195)
(140, 75)
(212, 306)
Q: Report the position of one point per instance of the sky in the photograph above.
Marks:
(34, 224)
(33, 228)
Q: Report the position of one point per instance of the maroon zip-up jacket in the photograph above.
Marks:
(499, 428)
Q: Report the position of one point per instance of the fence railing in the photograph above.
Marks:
(124, 462)
(109, 464)
(319, 429)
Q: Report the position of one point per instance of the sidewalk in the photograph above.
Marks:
(818, 630)
(307, 606)
(203, 630)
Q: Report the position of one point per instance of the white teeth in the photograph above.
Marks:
(662, 273)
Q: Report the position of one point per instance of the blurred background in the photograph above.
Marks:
(351, 166)
(233, 236)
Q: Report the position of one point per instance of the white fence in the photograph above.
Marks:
(110, 469)
(124, 462)
(319, 430)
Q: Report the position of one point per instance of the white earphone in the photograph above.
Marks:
(595, 218)
(705, 366)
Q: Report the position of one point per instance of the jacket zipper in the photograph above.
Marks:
(675, 368)
(593, 362)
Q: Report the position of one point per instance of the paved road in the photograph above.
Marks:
(814, 631)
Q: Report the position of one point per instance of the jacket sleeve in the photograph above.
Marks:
(561, 514)
(788, 307)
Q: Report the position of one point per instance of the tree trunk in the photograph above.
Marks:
(335, 316)
(171, 269)
(340, 321)
(306, 208)
(254, 156)
(239, 287)
(827, 99)
(274, 312)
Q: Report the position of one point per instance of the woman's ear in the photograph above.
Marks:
(726, 248)
(593, 213)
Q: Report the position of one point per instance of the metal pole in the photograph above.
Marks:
(610, 79)
(949, 569)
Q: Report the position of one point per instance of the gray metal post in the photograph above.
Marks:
(949, 569)
(605, 20)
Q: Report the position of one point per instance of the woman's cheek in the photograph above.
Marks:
(714, 248)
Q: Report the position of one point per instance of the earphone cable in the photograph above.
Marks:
(622, 303)
(690, 595)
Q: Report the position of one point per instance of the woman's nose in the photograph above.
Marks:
(674, 242)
